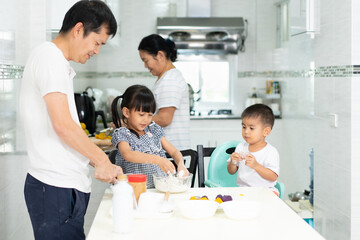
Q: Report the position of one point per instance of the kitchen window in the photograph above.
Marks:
(211, 77)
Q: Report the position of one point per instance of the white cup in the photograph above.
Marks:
(150, 202)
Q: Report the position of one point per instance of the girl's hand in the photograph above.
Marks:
(166, 165)
(184, 169)
(251, 161)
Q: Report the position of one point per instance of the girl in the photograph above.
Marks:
(141, 142)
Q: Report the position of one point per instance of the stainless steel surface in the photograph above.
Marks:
(212, 35)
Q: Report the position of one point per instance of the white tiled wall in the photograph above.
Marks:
(335, 185)
(15, 221)
(355, 46)
(355, 126)
(355, 155)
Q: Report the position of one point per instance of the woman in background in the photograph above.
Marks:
(170, 89)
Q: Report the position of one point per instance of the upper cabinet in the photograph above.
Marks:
(56, 11)
(304, 17)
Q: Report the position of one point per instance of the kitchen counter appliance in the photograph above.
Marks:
(208, 35)
(86, 111)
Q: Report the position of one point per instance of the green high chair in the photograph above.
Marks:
(281, 188)
(218, 175)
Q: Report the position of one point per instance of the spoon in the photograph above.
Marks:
(166, 207)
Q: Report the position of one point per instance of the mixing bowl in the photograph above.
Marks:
(172, 183)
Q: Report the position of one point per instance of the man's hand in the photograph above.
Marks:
(105, 171)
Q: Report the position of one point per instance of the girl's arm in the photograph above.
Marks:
(140, 157)
(175, 154)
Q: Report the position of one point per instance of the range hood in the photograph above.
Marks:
(213, 35)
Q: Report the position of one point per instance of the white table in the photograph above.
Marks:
(277, 220)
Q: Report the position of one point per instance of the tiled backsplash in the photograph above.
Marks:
(11, 71)
(15, 72)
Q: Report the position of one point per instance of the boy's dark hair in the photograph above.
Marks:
(137, 97)
(92, 14)
(154, 43)
(260, 110)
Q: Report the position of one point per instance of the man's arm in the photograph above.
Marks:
(75, 137)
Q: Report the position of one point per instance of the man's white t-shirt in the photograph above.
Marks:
(51, 160)
(171, 90)
(267, 157)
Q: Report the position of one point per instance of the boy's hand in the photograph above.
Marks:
(235, 157)
(251, 161)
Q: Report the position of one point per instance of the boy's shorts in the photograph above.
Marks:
(56, 213)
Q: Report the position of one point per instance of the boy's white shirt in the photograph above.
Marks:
(268, 157)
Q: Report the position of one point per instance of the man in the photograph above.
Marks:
(57, 186)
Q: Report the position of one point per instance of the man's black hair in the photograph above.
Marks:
(92, 14)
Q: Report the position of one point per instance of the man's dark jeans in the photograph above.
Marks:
(56, 213)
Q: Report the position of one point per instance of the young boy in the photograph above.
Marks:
(256, 161)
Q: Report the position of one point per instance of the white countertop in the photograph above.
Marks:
(277, 220)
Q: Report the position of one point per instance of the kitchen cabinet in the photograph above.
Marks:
(304, 17)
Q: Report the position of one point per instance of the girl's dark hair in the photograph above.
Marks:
(260, 110)
(154, 43)
(135, 97)
(92, 14)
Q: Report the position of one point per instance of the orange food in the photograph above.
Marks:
(100, 136)
(219, 200)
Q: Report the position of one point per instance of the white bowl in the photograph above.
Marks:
(239, 210)
(198, 209)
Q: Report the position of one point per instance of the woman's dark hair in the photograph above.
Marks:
(92, 14)
(137, 97)
(260, 110)
(154, 43)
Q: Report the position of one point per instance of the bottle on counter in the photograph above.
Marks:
(138, 182)
(253, 99)
(124, 205)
